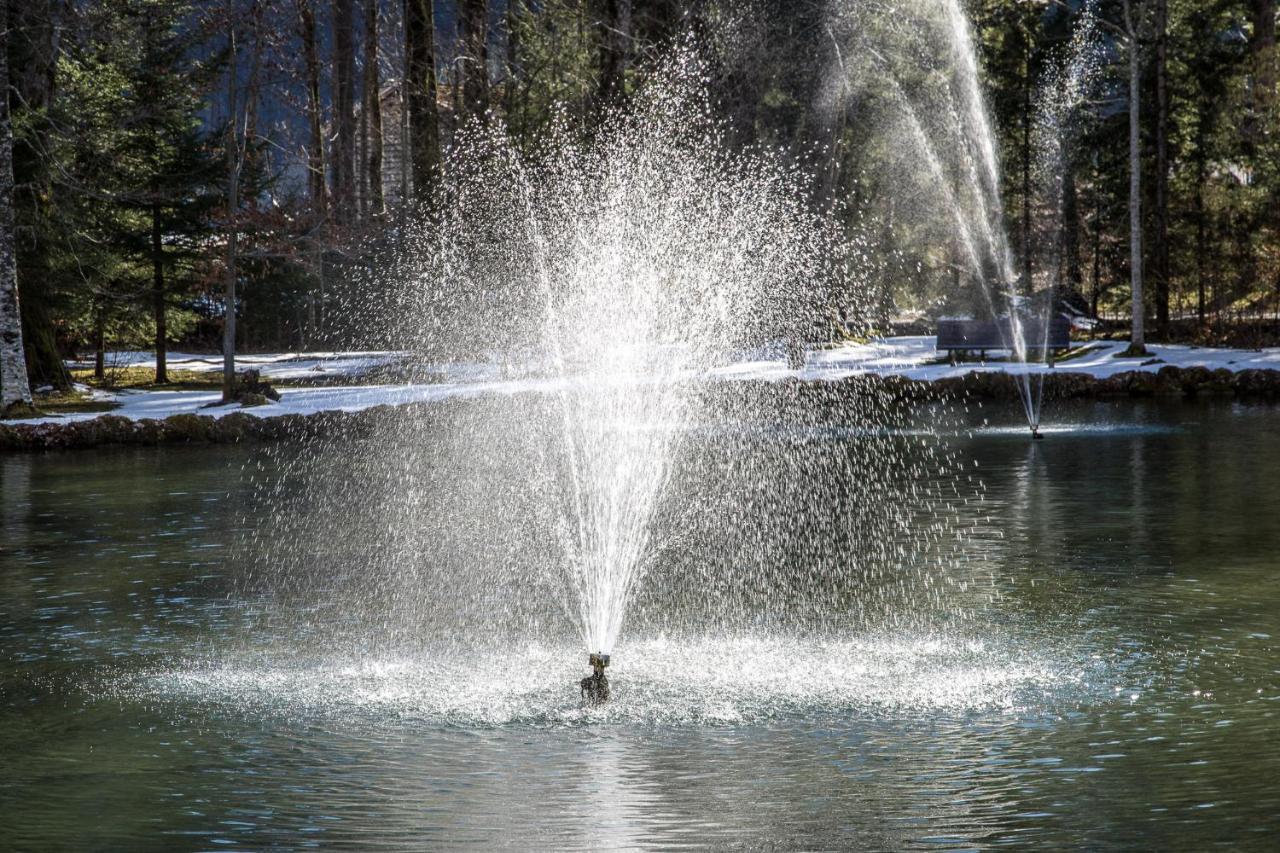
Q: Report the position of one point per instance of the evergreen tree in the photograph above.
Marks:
(138, 173)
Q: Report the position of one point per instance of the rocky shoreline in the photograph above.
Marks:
(1169, 382)
(116, 431)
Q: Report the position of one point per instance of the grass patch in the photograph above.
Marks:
(1133, 353)
(19, 410)
(144, 379)
(944, 360)
(72, 402)
(1076, 352)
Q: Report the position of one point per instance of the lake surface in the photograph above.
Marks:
(1079, 649)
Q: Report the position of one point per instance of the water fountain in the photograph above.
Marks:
(640, 258)
(594, 282)
(920, 58)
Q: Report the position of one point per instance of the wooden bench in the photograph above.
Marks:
(958, 337)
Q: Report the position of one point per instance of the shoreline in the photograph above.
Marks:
(238, 426)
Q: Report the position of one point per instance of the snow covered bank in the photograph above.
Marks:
(907, 365)
(305, 367)
(917, 358)
(272, 366)
(156, 405)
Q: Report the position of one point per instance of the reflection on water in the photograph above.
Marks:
(1114, 685)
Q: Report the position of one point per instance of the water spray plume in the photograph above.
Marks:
(603, 483)
(641, 258)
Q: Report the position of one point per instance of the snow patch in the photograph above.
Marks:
(914, 357)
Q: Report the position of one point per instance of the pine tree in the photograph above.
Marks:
(156, 161)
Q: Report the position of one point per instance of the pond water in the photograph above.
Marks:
(1110, 678)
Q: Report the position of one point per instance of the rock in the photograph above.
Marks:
(989, 385)
(1135, 383)
(187, 428)
(289, 426)
(250, 384)
(232, 428)
(1221, 383)
(13, 437)
(1070, 386)
(1169, 382)
(249, 399)
(118, 429)
(83, 434)
(1194, 377)
(949, 386)
(148, 431)
(1255, 382)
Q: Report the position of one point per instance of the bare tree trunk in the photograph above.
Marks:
(403, 161)
(1027, 121)
(35, 45)
(361, 172)
(884, 301)
(233, 226)
(516, 10)
(315, 150)
(99, 341)
(1137, 345)
(615, 48)
(473, 58)
(372, 112)
(1096, 198)
(423, 145)
(1201, 247)
(158, 297)
(1261, 124)
(315, 146)
(1071, 225)
(14, 387)
(1161, 253)
(344, 146)
(1262, 47)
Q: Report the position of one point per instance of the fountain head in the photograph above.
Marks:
(1036, 434)
(595, 687)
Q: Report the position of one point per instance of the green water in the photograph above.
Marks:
(1120, 690)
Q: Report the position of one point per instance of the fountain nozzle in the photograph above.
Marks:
(1035, 433)
(595, 687)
